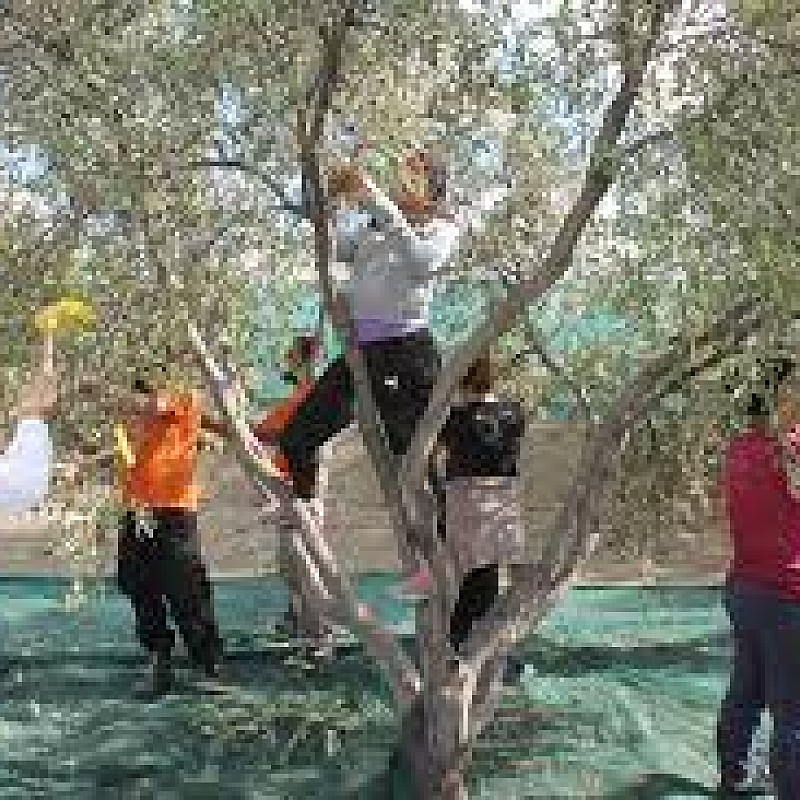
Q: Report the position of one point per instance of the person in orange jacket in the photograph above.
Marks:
(160, 567)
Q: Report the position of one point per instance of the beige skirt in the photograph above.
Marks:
(484, 522)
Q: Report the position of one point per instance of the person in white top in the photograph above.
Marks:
(393, 259)
(26, 463)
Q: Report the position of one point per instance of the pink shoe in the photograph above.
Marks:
(417, 585)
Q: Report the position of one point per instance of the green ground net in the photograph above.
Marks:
(618, 700)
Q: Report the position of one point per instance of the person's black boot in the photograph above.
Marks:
(214, 676)
(159, 679)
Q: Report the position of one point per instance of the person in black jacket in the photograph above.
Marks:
(480, 447)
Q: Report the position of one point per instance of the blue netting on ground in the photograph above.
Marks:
(618, 700)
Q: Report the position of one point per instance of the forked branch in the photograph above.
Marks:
(602, 169)
(576, 532)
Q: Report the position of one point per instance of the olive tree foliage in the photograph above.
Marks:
(710, 213)
(127, 105)
(610, 130)
(107, 97)
(109, 102)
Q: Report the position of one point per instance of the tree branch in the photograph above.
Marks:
(240, 164)
(536, 346)
(256, 462)
(575, 533)
(599, 176)
(407, 526)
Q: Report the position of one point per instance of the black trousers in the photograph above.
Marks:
(161, 570)
(402, 373)
(766, 675)
(477, 594)
(478, 591)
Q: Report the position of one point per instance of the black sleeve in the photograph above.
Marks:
(519, 420)
(449, 432)
(513, 416)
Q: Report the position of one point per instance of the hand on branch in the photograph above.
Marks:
(39, 396)
(345, 182)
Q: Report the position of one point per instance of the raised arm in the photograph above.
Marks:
(436, 248)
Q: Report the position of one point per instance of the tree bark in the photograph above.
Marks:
(429, 772)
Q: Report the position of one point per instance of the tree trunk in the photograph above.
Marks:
(430, 757)
(434, 732)
(309, 603)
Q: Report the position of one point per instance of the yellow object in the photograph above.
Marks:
(122, 445)
(65, 314)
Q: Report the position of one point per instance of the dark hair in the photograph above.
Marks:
(307, 347)
(776, 371)
(142, 385)
(144, 378)
(757, 406)
(437, 178)
(481, 376)
(782, 368)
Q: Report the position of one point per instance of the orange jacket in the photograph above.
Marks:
(162, 473)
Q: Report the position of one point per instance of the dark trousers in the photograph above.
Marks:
(161, 570)
(766, 674)
(476, 595)
(402, 373)
(479, 588)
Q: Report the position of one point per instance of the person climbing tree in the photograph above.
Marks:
(301, 619)
(393, 258)
(299, 373)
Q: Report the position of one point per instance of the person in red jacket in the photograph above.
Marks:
(762, 596)
(301, 619)
(299, 373)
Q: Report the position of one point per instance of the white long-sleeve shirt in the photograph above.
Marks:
(25, 466)
(393, 264)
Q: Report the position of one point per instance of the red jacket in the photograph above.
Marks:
(269, 425)
(764, 517)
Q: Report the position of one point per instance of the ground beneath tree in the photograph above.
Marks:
(618, 701)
